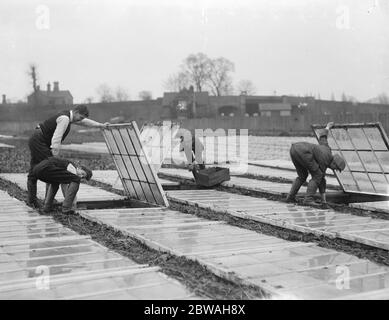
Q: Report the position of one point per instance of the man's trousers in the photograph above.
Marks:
(39, 151)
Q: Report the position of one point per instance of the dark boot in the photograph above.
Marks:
(71, 193)
(64, 188)
(294, 190)
(31, 192)
(51, 191)
(311, 190)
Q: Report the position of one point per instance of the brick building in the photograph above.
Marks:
(50, 97)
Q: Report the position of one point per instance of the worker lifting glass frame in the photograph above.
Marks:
(365, 149)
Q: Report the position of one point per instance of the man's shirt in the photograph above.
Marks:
(62, 124)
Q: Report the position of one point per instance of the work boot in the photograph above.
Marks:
(291, 198)
(51, 191)
(64, 188)
(69, 212)
(325, 205)
(311, 190)
(69, 198)
(31, 193)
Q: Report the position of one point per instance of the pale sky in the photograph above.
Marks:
(287, 46)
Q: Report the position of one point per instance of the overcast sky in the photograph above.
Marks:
(287, 47)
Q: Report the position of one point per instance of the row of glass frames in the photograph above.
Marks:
(367, 157)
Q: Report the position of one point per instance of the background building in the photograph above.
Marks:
(50, 97)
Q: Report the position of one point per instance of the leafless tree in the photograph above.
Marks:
(352, 99)
(220, 81)
(104, 93)
(347, 98)
(176, 82)
(34, 77)
(121, 94)
(89, 100)
(145, 95)
(383, 98)
(197, 68)
(246, 86)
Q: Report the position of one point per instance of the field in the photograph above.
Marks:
(258, 148)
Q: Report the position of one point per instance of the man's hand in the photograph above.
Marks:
(105, 125)
(329, 125)
(55, 152)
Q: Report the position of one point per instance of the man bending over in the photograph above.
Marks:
(314, 159)
(56, 171)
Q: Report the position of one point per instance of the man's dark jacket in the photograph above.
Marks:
(315, 156)
(54, 170)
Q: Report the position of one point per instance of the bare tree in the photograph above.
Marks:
(34, 77)
(145, 95)
(352, 99)
(104, 93)
(121, 94)
(220, 81)
(347, 98)
(197, 68)
(246, 86)
(176, 82)
(383, 98)
(88, 100)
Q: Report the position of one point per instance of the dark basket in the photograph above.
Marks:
(211, 176)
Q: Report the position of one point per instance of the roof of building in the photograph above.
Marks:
(53, 94)
(200, 97)
(274, 106)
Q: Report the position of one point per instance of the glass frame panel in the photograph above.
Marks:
(365, 148)
(138, 177)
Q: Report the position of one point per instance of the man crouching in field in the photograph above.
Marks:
(314, 159)
(56, 171)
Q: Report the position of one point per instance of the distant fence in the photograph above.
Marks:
(255, 125)
(16, 127)
(277, 125)
(18, 121)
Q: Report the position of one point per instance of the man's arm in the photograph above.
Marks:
(323, 138)
(59, 162)
(64, 164)
(91, 123)
(62, 124)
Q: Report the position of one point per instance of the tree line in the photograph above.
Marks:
(201, 72)
(107, 94)
(207, 74)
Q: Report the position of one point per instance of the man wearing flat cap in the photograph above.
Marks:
(47, 138)
(314, 159)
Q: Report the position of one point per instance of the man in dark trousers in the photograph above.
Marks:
(47, 138)
(314, 159)
(56, 171)
(193, 149)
